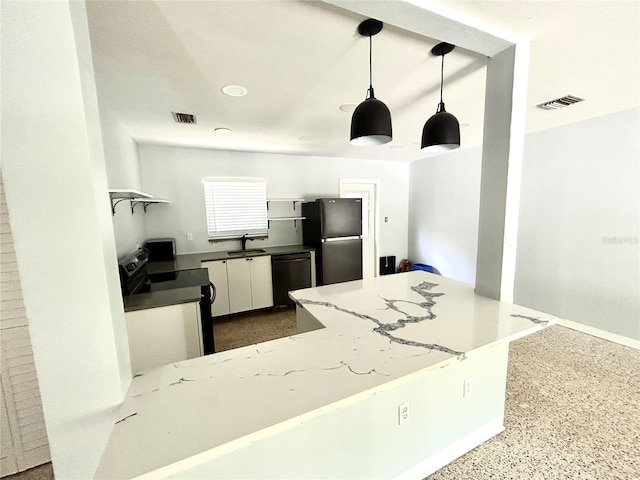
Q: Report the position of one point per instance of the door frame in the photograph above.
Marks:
(376, 215)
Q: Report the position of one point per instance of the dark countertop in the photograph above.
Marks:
(187, 262)
(194, 260)
(162, 298)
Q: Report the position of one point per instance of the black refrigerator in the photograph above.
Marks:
(333, 226)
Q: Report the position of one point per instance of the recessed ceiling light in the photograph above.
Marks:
(348, 107)
(223, 131)
(234, 90)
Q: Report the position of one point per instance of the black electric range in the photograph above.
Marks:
(135, 280)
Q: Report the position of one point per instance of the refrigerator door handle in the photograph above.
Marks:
(339, 239)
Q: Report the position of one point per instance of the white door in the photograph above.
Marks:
(261, 282)
(367, 191)
(218, 276)
(239, 282)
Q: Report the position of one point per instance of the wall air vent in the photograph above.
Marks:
(184, 117)
(560, 102)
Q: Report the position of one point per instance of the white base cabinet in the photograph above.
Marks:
(242, 284)
(162, 335)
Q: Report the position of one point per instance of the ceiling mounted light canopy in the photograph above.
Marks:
(442, 131)
(371, 120)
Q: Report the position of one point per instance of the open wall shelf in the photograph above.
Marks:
(134, 197)
(146, 202)
(293, 218)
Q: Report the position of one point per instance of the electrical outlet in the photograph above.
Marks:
(468, 387)
(190, 236)
(403, 413)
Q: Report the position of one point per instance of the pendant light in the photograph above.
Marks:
(371, 120)
(442, 131)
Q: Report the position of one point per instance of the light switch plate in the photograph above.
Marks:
(468, 387)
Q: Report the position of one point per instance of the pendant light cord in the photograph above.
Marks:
(441, 77)
(370, 92)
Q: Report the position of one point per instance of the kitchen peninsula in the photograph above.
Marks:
(408, 373)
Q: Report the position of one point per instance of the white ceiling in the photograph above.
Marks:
(301, 60)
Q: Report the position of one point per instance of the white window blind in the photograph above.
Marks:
(235, 206)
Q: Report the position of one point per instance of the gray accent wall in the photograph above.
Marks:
(578, 240)
(444, 199)
(577, 254)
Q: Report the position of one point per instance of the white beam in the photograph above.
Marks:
(433, 21)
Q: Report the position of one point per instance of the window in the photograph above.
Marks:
(235, 206)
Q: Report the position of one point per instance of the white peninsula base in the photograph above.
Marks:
(364, 439)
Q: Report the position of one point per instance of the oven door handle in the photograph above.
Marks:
(213, 292)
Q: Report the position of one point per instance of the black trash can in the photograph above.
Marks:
(387, 265)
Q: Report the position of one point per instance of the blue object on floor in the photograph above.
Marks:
(422, 266)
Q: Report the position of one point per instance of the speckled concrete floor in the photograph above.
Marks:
(572, 412)
(572, 407)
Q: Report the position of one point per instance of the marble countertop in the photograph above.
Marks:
(377, 332)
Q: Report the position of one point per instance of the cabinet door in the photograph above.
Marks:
(239, 281)
(261, 282)
(163, 335)
(218, 276)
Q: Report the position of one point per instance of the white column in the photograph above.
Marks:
(56, 192)
(502, 150)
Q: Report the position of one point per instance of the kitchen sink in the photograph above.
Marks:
(244, 253)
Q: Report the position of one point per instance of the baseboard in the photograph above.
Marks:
(596, 332)
(453, 451)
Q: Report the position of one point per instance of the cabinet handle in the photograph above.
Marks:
(249, 259)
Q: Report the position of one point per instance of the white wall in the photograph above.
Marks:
(123, 171)
(444, 200)
(176, 174)
(56, 189)
(580, 191)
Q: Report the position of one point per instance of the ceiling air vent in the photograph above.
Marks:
(184, 117)
(560, 102)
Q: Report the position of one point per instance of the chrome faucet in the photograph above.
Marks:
(244, 239)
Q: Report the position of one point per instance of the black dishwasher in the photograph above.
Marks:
(290, 272)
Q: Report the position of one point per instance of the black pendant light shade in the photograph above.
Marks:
(371, 120)
(371, 123)
(442, 131)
